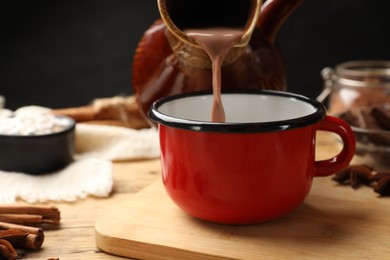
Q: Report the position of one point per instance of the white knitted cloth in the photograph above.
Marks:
(116, 143)
(91, 172)
(78, 180)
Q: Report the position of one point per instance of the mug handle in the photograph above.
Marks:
(341, 160)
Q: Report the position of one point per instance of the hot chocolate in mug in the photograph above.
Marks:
(255, 167)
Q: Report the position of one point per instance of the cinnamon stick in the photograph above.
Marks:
(29, 214)
(21, 239)
(32, 230)
(79, 114)
(123, 109)
(46, 211)
(34, 239)
(22, 218)
(14, 233)
(13, 236)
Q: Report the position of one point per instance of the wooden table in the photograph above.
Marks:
(75, 239)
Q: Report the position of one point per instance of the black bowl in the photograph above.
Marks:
(37, 154)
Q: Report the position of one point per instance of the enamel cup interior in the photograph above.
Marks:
(239, 107)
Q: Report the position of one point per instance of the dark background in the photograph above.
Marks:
(62, 53)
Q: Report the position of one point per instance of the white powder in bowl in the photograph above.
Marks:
(31, 120)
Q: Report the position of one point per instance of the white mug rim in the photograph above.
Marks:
(156, 115)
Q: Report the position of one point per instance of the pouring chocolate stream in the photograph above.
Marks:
(217, 43)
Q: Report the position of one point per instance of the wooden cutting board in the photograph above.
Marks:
(335, 222)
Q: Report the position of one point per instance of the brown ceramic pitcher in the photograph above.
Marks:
(167, 62)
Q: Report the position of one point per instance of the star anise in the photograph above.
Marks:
(7, 251)
(382, 185)
(355, 176)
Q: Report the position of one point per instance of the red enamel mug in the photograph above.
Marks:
(257, 166)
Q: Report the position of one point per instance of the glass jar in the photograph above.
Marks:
(356, 84)
(359, 93)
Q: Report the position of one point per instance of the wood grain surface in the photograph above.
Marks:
(335, 222)
(332, 223)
